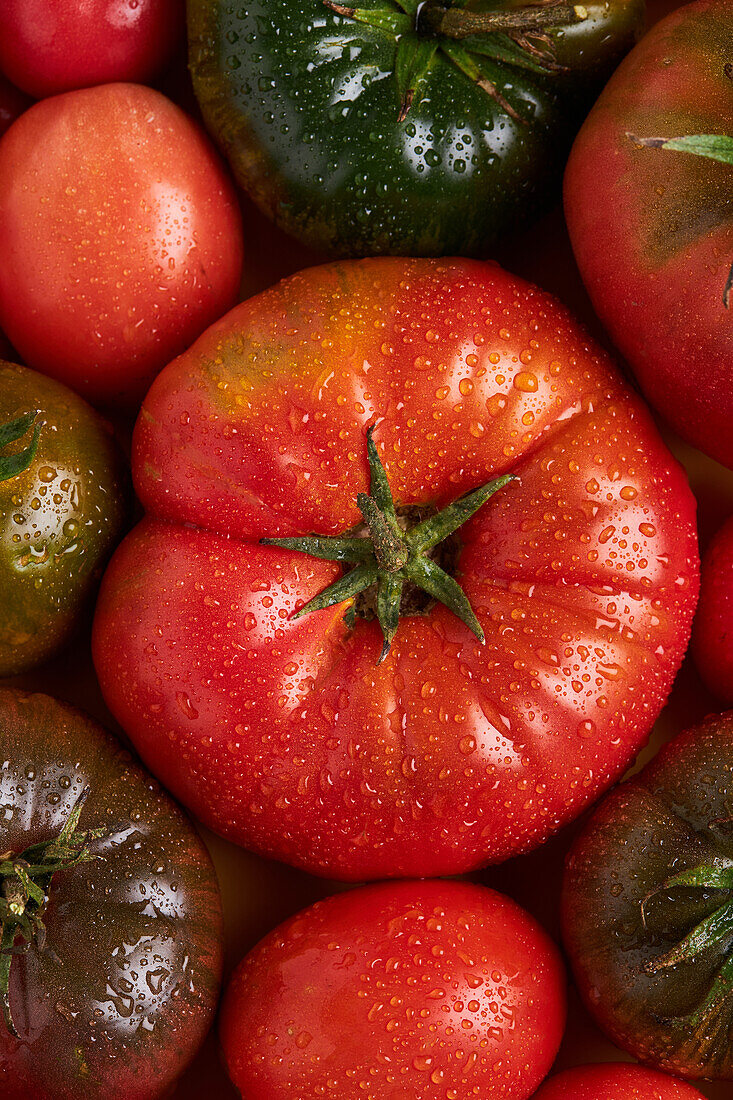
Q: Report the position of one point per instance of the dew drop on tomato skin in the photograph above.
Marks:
(431, 1000)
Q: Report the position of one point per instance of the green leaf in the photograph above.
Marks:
(12, 465)
(713, 146)
(343, 589)
(432, 531)
(326, 547)
(437, 583)
(482, 72)
(384, 19)
(16, 429)
(500, 47)
(414, 55)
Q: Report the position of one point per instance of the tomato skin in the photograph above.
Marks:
(305, 105)
(59, 519)
(383, 991)
(620, 914)
(288, 737)
(615, 1081)
(117, 175)
(712, 639)
(53, 46)
(652, 229)
(138, 932)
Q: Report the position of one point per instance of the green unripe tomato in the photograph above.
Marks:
(62, 510)
(387, 128)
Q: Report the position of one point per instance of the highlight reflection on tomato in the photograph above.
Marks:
(286, 734)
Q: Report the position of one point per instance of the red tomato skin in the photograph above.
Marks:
(615, 1081)
(285, 735)
(412, 991)
(53, 46)
(712, 638)
(652, 230)
(121, 238)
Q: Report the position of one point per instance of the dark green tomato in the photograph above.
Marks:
(119, 998)
(60, 515)
(306, 105)
(648, 907)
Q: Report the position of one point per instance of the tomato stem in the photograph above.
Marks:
(391, 556)
(25, 880)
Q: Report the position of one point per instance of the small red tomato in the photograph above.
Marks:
(712, 640)
(615, 1081)
(52, 46)
(121, 238)
(412, 991)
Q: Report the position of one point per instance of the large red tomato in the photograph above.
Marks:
(712, 640)
(615, 1081)
(120, 238)
(414, 991)
(652, 228)
(52, 46)
(287, 734)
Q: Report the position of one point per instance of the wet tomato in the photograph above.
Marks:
(413, 991)
(396, 126)
(652, 227)
(121, 238)
(63, 490)
(615, 1081)
(712, 639)
(648, 907)
(52, 46)
(531, 650)
(110, 901)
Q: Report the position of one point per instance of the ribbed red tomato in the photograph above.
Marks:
(412, 991)
(287, 734)
(712, 640)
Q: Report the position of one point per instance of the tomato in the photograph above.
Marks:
(652, 228)
(412, 991)
(116, 907)
(648, 909)
(52, 46)
(383, 128)
(12, 103)
(712, 642)
(121, 238)
(63, 505)
(615, 1081)
(286, 734)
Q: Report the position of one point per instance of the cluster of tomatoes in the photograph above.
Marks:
(395, 572)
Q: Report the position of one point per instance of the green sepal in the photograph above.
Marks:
(351, 584)
(6, 961)
(718, 926)
(431, 531)
(426, 574)
(379, 488)
(713, 146)
(414, 56)
(500, 47)
(12, 465)
(482, 72)
(326, 547)
(390, 549)
(384, 19)
(389, 594)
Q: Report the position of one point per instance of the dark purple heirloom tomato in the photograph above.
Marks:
(110, 960)
(648, 907)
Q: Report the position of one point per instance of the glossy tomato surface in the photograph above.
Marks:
(52, 46)
(286, 735)
(713, 635)
(410, 991)
(308, 104)
(61, 514)
(615, 1082)
(121, 997)
(652, 228)
(121, 238)
(647, 909)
